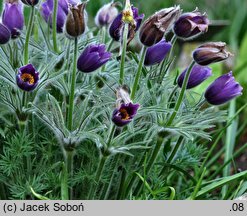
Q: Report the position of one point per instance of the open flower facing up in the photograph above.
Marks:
(116, 27)
(93, 57)
(4, 34)
(197, 76)
(190, 25)
(13, 17)
(106, 14)
(76, 20)
(62, 11)
(154, 28)
(124, 114)
(156, 53)
(210, 52)
(223, 89)
(27, 78)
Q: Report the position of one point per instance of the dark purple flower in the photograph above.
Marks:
(13, 18)
(197, 76)
(27, 78)
(125, 114)
(191, 24)
(62, 11)
(106, 15)
(30, 2)
(4, 34)
(116, 27)
(210, 52)
(156, 53)
(154, 28)
(223, 89)
(93, 57)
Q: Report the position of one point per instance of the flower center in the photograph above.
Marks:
(127, 16)
(27, 78)
(124, 114)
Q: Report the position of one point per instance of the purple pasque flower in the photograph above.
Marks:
(4, 34)
(93, 57)
(197, 76)
(124, 114)
(190, 25)
(106, 14)
(210, 52)
(156, 53)
(116, 27)
(62, 12)
(223, 89)
(27, 78)
(13, 17)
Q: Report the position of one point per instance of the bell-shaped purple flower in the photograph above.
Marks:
(116, 27)
(124, 114)
(27, 78)
(197, 76)
(106, 14)
(156, 53)
(190, 25)
(62, 12)
(93, 57)
(13, 18)
(211, 52)
(223, 89)
(4, 34)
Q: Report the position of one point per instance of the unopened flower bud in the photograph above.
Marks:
(190, 25)
(211, 52)
(106, 15)
(154, 28)
(30, 2)
(4, 34)
(76, 23)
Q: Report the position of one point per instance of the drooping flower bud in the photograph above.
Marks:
(76, 22)
(223, 89)
(4, 34)
(106, 14)
(30, 2)
(197, 76)
(27, 78)
(156, 53)
(92, 58)
(190, 25)
(116, 28)
(211, 52)
(154, 28)
(126, 110)
(62, 11)
(13, 17)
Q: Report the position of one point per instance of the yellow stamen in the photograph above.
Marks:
(27, 78)
(124, 114)
(128, 16)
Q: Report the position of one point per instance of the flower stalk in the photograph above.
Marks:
(72, 89)
(29, 31)
(54, 25)
(123, 55)
(139, 72)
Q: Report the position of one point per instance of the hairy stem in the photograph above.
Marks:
(29, 31)
(72, 89)
(123, 54)
(181, 95)
(54, 25)
(138, 74)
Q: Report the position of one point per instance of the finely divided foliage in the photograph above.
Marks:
(83, 117)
